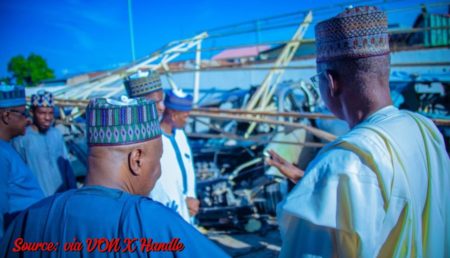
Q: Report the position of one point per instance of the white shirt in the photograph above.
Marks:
(379, 190)
(188, 161)
(177, 179)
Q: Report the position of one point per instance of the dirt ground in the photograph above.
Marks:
(248, 244)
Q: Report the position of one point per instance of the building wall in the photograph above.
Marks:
(226, 80)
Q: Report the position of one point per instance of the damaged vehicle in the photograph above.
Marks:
(235, 188)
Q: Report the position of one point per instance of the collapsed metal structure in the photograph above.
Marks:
(235, 187)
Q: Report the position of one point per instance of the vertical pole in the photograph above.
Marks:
(197, 72)
(130, 22)
(258, 33)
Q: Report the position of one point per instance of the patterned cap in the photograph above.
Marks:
(111, 122)
(12, 96)
(178, 100)
(355, 33)
(42, 99)
(142, 83)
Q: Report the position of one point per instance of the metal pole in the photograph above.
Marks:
(315, 131)
(258, 35)
(130, 22)
(197, 73)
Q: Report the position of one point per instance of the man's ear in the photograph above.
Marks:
(173, 115)
(4, 116)
(135, 161)
(334, 86)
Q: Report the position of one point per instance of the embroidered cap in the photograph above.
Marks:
(355, 33)
(178, 100)
(42, 99)
(113, 122)
(142, 83)
(12, 96)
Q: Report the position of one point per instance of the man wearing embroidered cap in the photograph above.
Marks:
(381, 189)
(43, 148)
(146, 85)
(18, 187)
(125, 146)
(176, 187)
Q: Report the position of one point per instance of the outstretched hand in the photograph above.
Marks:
(193, 205)
(287, 169)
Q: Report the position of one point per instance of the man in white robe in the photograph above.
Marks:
(380, 189)
(176, 186)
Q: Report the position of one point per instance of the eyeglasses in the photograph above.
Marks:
(316, 79)
(25, 113)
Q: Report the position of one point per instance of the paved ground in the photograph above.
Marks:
(248, 245)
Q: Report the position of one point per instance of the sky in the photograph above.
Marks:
(77, 36)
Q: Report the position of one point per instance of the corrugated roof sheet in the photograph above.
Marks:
(241, 52)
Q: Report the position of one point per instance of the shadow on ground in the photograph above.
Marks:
(249, 244)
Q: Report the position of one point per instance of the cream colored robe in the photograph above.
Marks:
(380, 190)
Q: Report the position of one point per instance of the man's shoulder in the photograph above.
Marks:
(50, 200)
(9, 155)
(148, 205)
(39, 211)
(18, 140)
(22, 141)
(6, 156)
(430, 126)
(345, 146)
(158, 215)
(180, 135)
(179, 131)
(29, 132)
(147, 208)
(5, 149)
(54, 132)
(336, 160)
(349, 155)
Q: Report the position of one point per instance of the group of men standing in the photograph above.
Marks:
(41, 146)
(379, 190)
(36, 162)
(176, 186)
(126, 139)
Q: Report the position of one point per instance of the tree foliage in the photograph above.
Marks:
(5, 80)
(29, 71)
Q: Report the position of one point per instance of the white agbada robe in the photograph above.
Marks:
(379, 190)
(177, 180)
(188, 160)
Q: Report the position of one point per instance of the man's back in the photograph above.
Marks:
(377, 190)
(417, 182)
(96, 212)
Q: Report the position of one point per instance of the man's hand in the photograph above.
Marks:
(193, 205)
(287, 169)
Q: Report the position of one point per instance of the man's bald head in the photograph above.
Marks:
(125, 144)
(136, 167)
